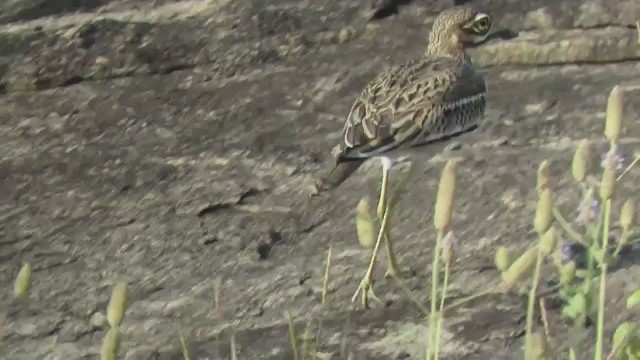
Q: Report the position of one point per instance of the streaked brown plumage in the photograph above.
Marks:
(423, 101)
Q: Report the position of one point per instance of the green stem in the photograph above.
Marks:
(531, 306)
(472, 297)
(627, 169)
(603, 280)
(564, 224)
(435, 267)
(590, 256)
(441, 310)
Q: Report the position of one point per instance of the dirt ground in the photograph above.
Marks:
(170, 143)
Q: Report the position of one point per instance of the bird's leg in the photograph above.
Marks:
(392, 265)
(365, 289)
(383, 207)
(382, 201)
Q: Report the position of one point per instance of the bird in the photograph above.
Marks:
(432, 98)
(423, 101)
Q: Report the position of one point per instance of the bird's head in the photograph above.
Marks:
(457, 28)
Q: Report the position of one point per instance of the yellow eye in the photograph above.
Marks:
(481, 25)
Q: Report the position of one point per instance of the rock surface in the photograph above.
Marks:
(170, 143)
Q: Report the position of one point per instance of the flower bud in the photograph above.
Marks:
(544, 175)
(22, 284)
(445, 197)
(502, 259)
(615, 107)
(544, 212)
(627, 214)
(365, 227)
(548, 242)
(520, 267)
(607, 183)
(110, 345)
(580, 164)
(448, 248)
(117, 304)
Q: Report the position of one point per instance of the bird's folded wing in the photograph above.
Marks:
(407, 104)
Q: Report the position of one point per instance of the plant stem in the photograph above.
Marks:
(435, 267)
(603, 280)
(293, 337)
(441, 310)
(564, 224)
(531, 306)
(628, 168)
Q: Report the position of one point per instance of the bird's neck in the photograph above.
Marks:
(439, 48)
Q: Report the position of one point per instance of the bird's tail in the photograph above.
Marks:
(338, 175)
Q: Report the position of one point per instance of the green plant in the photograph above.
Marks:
(581, 283)
(115, 314)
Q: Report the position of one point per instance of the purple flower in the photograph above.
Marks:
(588, 209)
(575, 252)
(612, 159)
(567, 252)
(449, 242)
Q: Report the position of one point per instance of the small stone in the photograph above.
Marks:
(263, 250)
(208, 240)
(97, 320)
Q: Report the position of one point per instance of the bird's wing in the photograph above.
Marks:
(407, 105)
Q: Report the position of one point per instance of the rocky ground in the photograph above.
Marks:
(170, 143)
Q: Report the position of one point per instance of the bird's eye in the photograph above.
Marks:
(481, 25)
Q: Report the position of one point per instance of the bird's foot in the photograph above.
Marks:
(365, 291)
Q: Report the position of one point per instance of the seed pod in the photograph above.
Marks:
(502, 259)
(444, 200)
(615, 106)
(607, 183)
(544, 214)
(567, 273)
(544, 176)
(22, 284)
(580, 164)
(110, 345)
(117, 304)
(365, 227)
(547, 242)
(520, 267)
(627, 214)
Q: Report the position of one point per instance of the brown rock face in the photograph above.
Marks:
(171, 143)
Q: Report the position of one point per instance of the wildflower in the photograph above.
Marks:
(588, 209)
(448, 247)
(573, 252)
(569, 252)
(613, 160)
